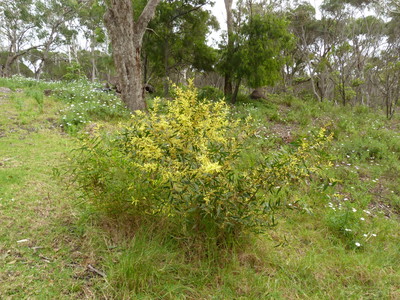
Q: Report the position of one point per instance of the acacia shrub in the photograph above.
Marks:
(181, 161)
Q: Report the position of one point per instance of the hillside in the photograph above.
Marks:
(335, 241)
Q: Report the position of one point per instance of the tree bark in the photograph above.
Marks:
(44, 60)
(126, 38)
(39, 70)
(166, 68)
(229, 23)
(93, 57)
(12, 58)
(235, 93)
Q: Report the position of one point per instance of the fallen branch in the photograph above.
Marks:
(94, 270)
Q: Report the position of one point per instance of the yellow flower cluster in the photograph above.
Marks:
(184, 154)
(183, 137)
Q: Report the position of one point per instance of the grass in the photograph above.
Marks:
(42, 248)
(49, 235)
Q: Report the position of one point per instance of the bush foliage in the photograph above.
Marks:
(180, 161)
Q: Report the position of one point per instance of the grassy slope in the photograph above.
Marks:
(43, 251)
(307, 256)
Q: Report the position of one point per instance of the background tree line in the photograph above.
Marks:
(348, 54)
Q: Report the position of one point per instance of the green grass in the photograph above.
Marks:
(43, 250)
(49, 235)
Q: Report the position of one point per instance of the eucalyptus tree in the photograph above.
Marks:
(176, 40)
(387, 76)
(92, 25)
(367, 37)
(52, 28)
(305, 27)
(352, 39)
(229, 47)
(126, 26)
(257, 55)
(17, 29)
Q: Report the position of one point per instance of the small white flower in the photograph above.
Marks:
(354, 210)
(358, 244)
(362, 219)
(365, 235)
(373, 234)
(347, 229)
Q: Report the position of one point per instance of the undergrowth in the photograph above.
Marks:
(334, 239)
(181, 160)
(85, 102)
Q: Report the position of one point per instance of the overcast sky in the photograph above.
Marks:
(218, 10)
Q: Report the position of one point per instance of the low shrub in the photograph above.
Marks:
(210, 93)
(179, 161)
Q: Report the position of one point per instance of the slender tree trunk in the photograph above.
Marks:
(319, 98)
(69, 54)
(93, 58)
(39, 70)
(229, 23)
(7, 67)
(235, 93)
(44, 60)
(166, 68)
(145, 61)
(126, 38)
(18, 67)
(309, 65)
(343, 91)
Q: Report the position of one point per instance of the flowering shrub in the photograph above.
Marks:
(180, 160)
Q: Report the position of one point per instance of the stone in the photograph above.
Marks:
(258, 93)
(5, 90)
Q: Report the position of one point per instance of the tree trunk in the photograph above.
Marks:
(229, 23)
(39, 70)
(43, 62)
(11, 59)
(7, 67)
(93, 57)
(166, 68)
(236, 92)
(126, 39)
(227, 85)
